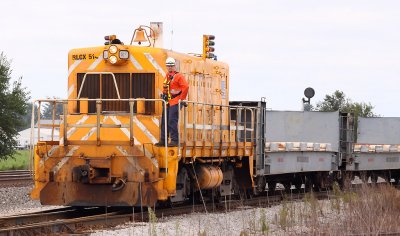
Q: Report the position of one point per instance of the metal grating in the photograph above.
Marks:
(90, 90)
(143, 86)
(136, 85)
(109, 91)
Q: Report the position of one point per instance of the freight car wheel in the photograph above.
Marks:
(364, 177)
(271, 188)
(374, 178)
(345, 181)
(308, 184)
(288, 187)
(298, 187)
(261, 185)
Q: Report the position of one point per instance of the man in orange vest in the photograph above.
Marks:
(175, 88)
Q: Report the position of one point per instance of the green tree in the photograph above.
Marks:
(28, 116)
(13, 107)
(339, 102)
(335, 102)
(48, 110)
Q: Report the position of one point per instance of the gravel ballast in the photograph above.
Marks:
(17, 200)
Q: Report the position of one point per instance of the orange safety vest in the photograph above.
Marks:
(175, 87)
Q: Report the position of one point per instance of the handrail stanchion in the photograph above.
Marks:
(204, 122)
(131, 137)
(165, 137)
(98, 109)
(65, 112)
(179, 128)
(220, 131)
(195, 120)
(212, 126)
(253, 137)
(194, 127)
(212, 129)
(229, 131)
(245, 128)
(252, 125)
(53, 120)
(31, 154)
(237, 125)
(38, 121)
(204, 128)
(185, 123)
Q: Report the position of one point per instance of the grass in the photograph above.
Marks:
(372, 210)
(20, 161)
(152, 222)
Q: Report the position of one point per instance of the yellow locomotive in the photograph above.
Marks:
(106, 152)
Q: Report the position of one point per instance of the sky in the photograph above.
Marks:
(275, 49)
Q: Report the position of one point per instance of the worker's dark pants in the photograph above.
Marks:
(172, 120)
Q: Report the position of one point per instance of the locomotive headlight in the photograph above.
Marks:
(113, 49)
(123, 54)
(113, 59)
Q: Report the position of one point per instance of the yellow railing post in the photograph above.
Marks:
(98, 109)
(65, 112)
(131, 137)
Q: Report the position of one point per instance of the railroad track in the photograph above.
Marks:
(84, 220)
(15, 178)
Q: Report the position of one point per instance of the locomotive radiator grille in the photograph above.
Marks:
(135, 85)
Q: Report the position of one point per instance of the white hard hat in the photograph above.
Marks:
(170, 61)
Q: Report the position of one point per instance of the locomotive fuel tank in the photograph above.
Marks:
(209, 176)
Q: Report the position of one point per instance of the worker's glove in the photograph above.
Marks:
(183, 104)
(164, 97)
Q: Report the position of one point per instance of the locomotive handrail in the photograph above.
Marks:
(98, 124)
(240, 125)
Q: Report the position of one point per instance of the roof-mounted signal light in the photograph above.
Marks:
(208, 46)
(109, 38)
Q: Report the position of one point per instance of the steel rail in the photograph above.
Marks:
(16, 177)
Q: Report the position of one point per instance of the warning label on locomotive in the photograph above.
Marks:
(76, 57)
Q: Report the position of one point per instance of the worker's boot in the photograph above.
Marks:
(173, 144)
(160, 144)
